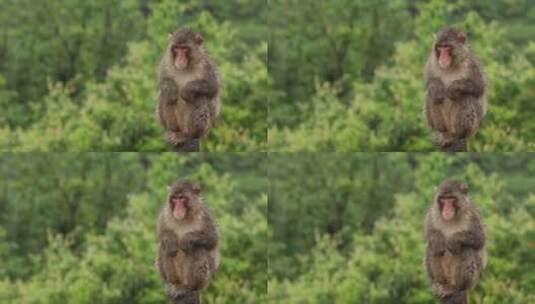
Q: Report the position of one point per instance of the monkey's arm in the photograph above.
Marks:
(169, 242)
(166, 104)
(472, 238)
(436, 242)
(168, 91)
(208, 86)
(473, 85)
(436, 246)
(436, 91)
(206, 238)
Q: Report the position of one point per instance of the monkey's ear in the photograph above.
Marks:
(461, 37)
(198, 40)
(196, 189)
(464, 188)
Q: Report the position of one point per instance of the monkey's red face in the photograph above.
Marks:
(183, 197)
(179, 205)
(443, 53)
(181, 53)
(448, 207)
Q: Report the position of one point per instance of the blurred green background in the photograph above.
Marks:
(348, 228)
(81, 228)
(80, 75)
(348, 75)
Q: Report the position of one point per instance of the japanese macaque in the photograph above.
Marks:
(455, 102)
(188, 253)
(189, 91)
(456, 253)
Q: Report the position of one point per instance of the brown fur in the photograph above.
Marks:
(456, 254)
(188, 254)
(455, 102)
(189, 98)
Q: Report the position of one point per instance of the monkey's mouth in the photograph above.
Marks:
(448, 206)
(443, 53)
(179, 206)
(181, 54)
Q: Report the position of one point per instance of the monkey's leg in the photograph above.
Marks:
(166, 103)
(433, 113)
(201, 271)
(466, 119)
(467, 269)
(438, 123)
(434, 268)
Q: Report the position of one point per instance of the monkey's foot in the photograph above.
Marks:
(180, 143)
(191, 298)
(457, 145)
(459, 297)
(190, 145)
(442, 290)
(180, 297)
(174, 292)
(174, 138)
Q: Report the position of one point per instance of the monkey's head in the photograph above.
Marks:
(182, 198)
(449, 47)
(184, 47)
(451, 198)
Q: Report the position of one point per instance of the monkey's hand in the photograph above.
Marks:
(197, 88)
(455, 90)
(436, 90)
(186, 244)
(168, 91)
(206, 238)
(454, 246)
(472, 239)
(474, 86)
(169, 243)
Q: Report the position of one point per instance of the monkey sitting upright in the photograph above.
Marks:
(188, 253)
(189, 91)
(456, 254)
(455, 102)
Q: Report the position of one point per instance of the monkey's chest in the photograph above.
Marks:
(186, 77)
(187, 228)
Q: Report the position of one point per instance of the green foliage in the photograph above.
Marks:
(80, 228)
(380, 108)
(381, 261)
(98, 88)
